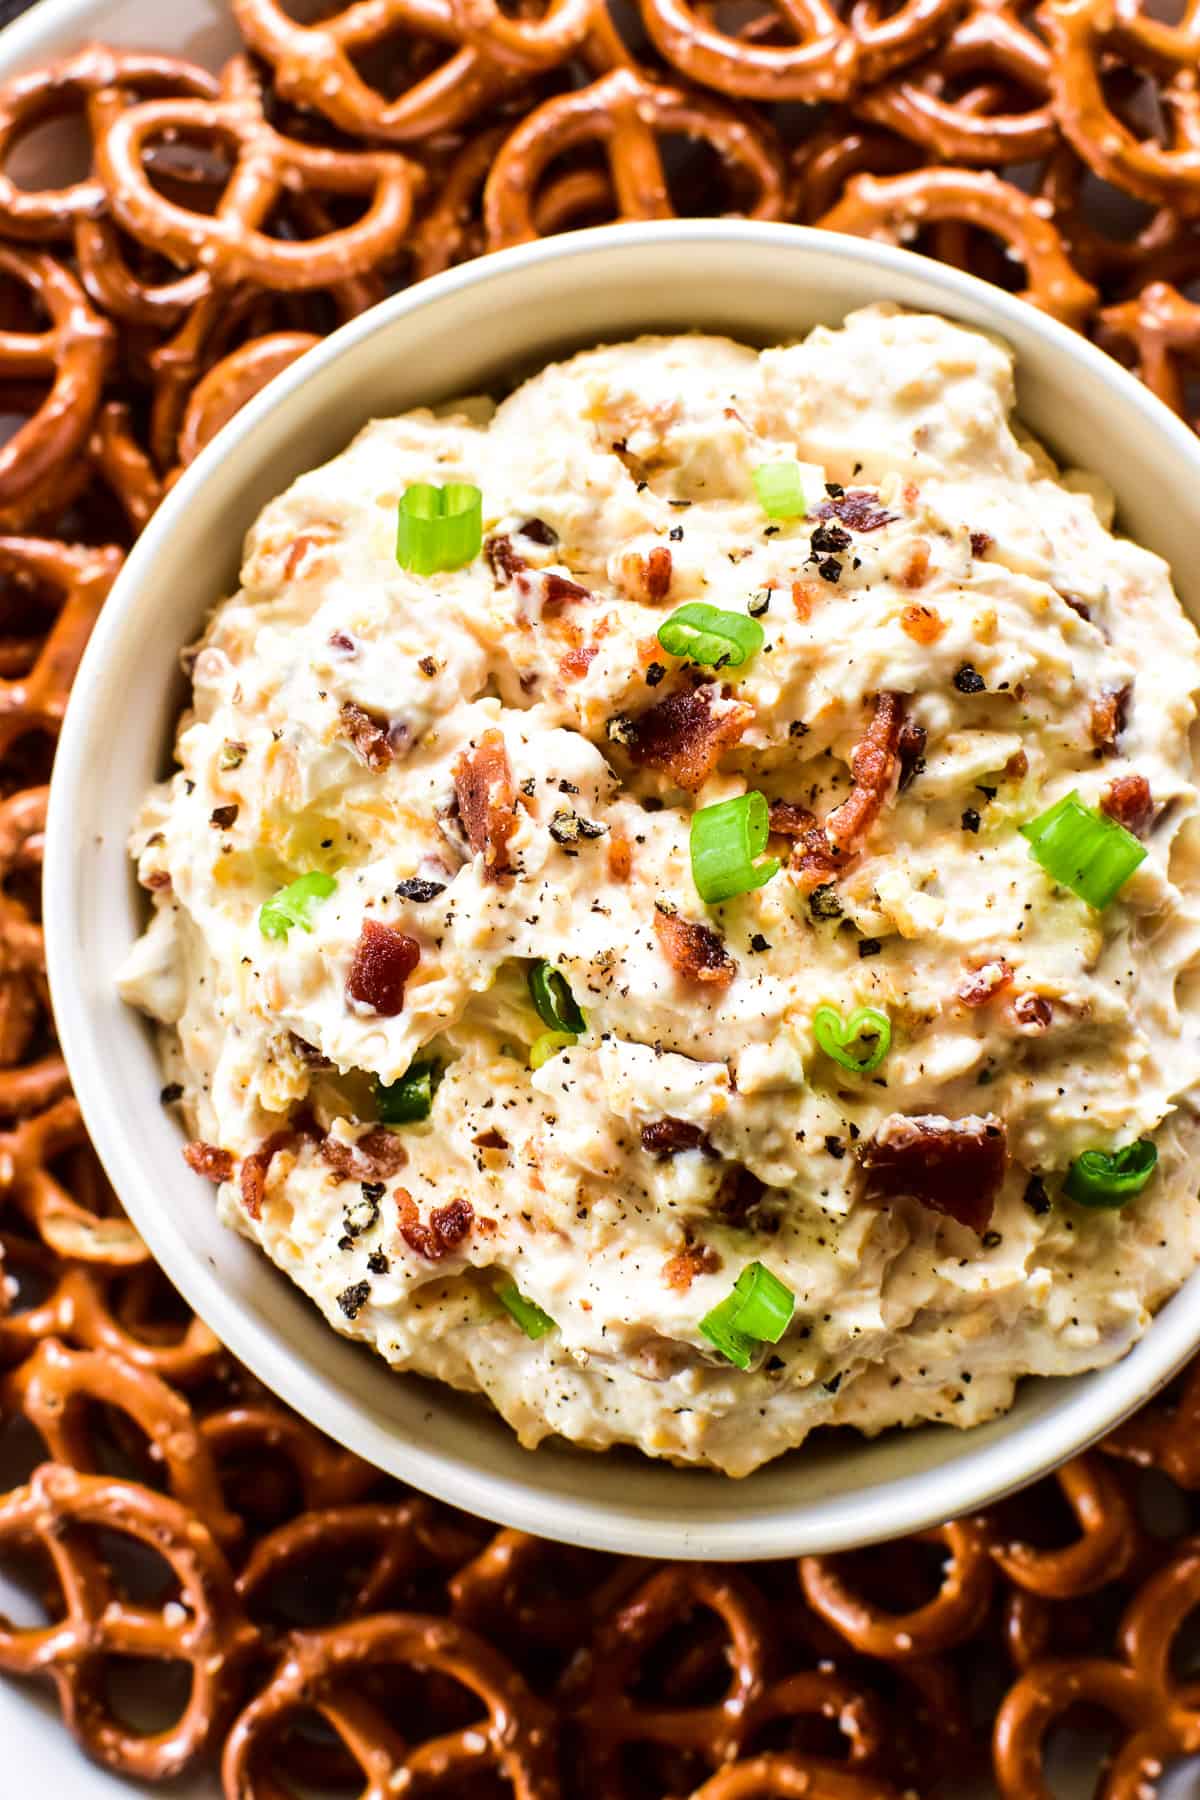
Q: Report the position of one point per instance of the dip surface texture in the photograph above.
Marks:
(501, 764)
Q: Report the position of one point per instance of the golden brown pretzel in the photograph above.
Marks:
(79, 578)
(624, 113)
(274, 1464)
(1161, 327)
(897, 207)
(1109, 1541)
(325, 1670)
(225, 388)
(524, 43)
(953, 1614)
(67, 1213)
(822, 64)
(231, 244)
(62, 1514)
(1165, 1435)
(786, 1776)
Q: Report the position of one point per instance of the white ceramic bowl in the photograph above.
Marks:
(461, 332)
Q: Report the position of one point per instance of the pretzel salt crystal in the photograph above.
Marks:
(624, 114)
(230, 244)
(898, 207)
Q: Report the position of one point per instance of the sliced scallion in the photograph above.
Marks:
(858, 1043)
(758, 1311)
(1108, 1178)
(439, 527)
(724, 842)
(410, 1099)
(554, 1001)
(709, 635)
(293, 904)
(549, 1044)
(1083, 850)
(528, 1314)
(780, 490)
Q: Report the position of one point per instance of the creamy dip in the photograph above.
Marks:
(499, 765)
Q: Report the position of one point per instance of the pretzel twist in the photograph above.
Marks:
(80, 578)
(61, 1512)
(1162, 329)
(267, 1457)
(953, 1614)
(785, 1776)
(1109, 1541)
(71, 1223)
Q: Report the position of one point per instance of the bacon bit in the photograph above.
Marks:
(952, 1166)
(257, 1166)
(384, 958)
(694, 951)
(684, 735)
(1034, 1012)
(576, 663)
(299, 549)
(915, 572)
(874, 766)
(669, 1137)
(379, 1153)
(538, 532)
(1017, 766)
(924, 624)
(207, 1160)
(681, 1270)
(1078, 606)
(504, 562)
(986, 982)
(308, 1053)
(658, 573)
(557, 592)
(487, 801)
(620, 857)
(741, 1191)
(859, 510)
(369, 738)
(1107, 720)
(1128, 800)
(157, 880)
(789, 820)
(448, 1226)
(343, 643)
(981, 542)
(805, 594)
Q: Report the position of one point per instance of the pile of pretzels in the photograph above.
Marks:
(223, 1590)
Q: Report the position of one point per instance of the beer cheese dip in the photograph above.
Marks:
(400, 796)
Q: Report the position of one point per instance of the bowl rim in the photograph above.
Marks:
(895, 1506)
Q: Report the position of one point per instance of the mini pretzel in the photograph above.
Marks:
(898, 207)
(821, 65)
(230, 244)
(227, 386)
(524, 43)
(1162, 328)
(23, 994)
(1165, 1434)
(62, 1513)
(56, 1388)
(313, 66)
(1083, 35)
(1109, 1540)
(80, 577)
(785, 1776)
(70, 1223)
(539, 1593)
(624, 114)
(254, 1443)
(948, 1619)
(324, 1671)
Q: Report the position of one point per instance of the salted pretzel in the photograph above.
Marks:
(274, 1464)
(538, 1594)
(230, 244)
(63, 1514)
(1161, 328)
(324, 1671)
(227, 386)
(624, 114)
(1165, 1434)
(69, 1214)
(524, 43)
(78, 578)
(23, 995)
(897, 208)
(784, 1776)
(957, 1609)
(821, 64)
(1109, 1541)
(59, 1390)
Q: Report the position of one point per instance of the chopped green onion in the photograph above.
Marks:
(758, 1311)
(439, 527)
(706, 634)
(409, 1099)
(780, 490)
(858, 1043)
(554, 1000)
(725, 839)
(528, 1314)
(548, 1045)
(1082, 850)
(1111, 1177)
(293, 904)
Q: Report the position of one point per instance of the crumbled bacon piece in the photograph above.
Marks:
(369, 738)
(981, 543)
(681, 1270)
(157, 880)
(299, 548)
(695, 951)
(923, 624)
(952, 1166)
(983, 984)
(1033, 1011)
(741, 1192)
(915, 572)
(487, 802)
(805, 594)
(685, 734)
(669, 1137)
(1017, 766)
(860, 510)
(1107, 720)
(658, 573)
(257, 1166)
(538, 532)
(384, 958)
(446, 1228)
(1128, 800)
(557, 591)
(504, 562)
(207, 1160)
(790, 820)
(824, 851)
(910, 751)
(377, 1154)
(620, 856)
(574, 665)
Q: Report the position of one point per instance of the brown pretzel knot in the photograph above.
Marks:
(1161, 327)
(238, 377)
(822, 64)
(787, 1777)
(79, 578)
(23, 996)
(59, 1390)
(954, 1613)
(1162, 247)
(896, 208)
(536, 1593)
(314, 66)
(69, 1215)
(130, 1313)
(326, 1671)
(273, 1464)
(524, 43)
(1109, 1541)
(73, 351)
(100, 81)
(1165, 1434)
(1084, 36)
(1158, 1716)
(62, 1514)
(624, 114)
(231, 244)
